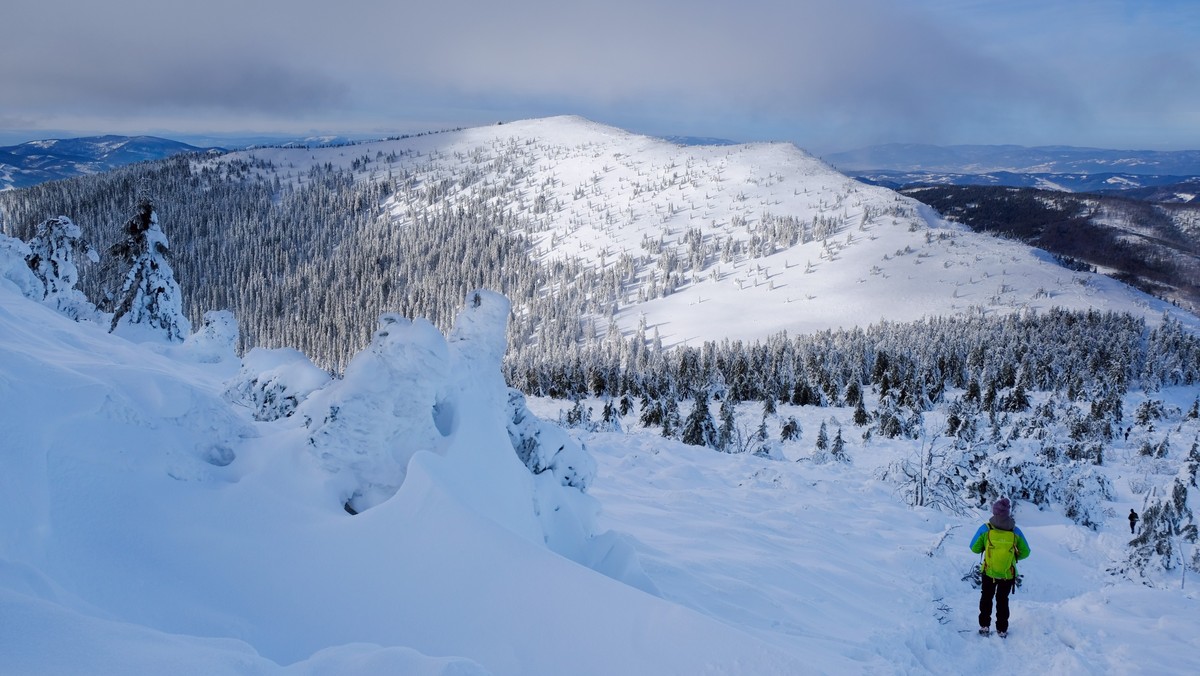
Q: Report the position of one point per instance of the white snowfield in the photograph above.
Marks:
(152, 527)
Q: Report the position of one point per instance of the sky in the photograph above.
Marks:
(829, 75)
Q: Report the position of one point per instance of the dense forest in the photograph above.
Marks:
(309, 259)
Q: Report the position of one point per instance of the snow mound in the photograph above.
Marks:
(152, 525)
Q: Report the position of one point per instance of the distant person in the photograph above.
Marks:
(1133, 519)
(1002, 544)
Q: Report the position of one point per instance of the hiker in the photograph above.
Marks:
(1133, 519)
(1002, 545)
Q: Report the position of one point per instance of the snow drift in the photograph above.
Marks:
(151, 525)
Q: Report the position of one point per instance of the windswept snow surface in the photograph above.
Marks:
(151, 527)
(822, 560)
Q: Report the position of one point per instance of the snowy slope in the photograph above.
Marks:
(822, 560)
(152, 526)
(651, 209)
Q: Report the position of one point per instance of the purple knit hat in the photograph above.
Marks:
(1002, 508)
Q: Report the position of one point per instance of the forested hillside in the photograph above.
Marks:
(1155, 247)
(592, 232)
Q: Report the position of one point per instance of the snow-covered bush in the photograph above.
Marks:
(52, 257)
(216, 340)
(1077, 486)
(273, 383)
(547, 448)
(934, 475)
(15, 270)
(1083, 492)
(1018, 475)
(388, 407)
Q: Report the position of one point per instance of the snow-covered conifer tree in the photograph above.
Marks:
(15, 269)
(727, 433)
(699, 429)
(150, 296)
(1167, 523)
(838, 450)
(791, 430)
(52, 258)
(860, 414)
(670, 417)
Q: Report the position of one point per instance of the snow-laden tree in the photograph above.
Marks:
(579, 415)
(1084, 494)
(53, 252)
(1168, 525)
(727, 433)
(699, 429)
(791, 430)
(837, 450)
(272, 383)
(14, 269)
(216, 339)
(935, 475)
(150, 297)
(543, 447)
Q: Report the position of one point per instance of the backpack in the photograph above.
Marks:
(1000, 554)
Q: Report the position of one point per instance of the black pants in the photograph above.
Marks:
(1000, 589)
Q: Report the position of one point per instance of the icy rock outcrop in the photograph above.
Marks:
(437, 411)
(366, 427)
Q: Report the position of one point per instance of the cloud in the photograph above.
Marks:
(826, 71)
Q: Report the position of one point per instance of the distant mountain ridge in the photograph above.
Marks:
(1146, 187)
(986, 159)
(35, 162)
(1147, 175)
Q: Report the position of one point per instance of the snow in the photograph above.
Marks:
(165, 511)
(820, 560)
(150, 524)
(130, 545)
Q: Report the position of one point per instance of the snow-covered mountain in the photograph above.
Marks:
(1155, 247)
(1160, 176)
(34, 162)
(700, 233)
(601, 232)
